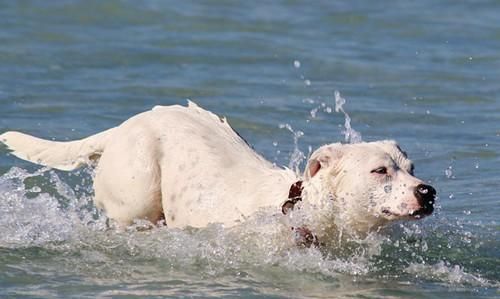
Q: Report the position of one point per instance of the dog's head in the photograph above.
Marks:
(370, 183)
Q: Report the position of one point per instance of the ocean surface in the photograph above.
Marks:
(425, 73)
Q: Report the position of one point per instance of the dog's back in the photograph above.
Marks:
(182, 163)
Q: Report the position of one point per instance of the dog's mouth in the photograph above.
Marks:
(416, 214)
(389, 213)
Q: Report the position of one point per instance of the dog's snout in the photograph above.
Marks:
(425, 195)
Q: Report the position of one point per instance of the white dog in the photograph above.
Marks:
(189, 167)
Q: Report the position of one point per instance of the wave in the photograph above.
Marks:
(40, 209)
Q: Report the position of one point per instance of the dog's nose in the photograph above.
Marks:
(425, 195)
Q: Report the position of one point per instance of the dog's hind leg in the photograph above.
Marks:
(127, 181)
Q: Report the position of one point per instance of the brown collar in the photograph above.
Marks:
(303, 236)
(294, 195)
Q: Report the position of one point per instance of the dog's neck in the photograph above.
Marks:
(325, 222)
(303, 235)
(310, 191)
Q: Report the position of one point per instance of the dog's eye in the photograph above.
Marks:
(380, 170)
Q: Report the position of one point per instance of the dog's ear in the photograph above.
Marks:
(324, 157)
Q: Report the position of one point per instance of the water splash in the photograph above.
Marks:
(444, 272)
(71, 240)
(39, 208)
(76, 239)
(321, 107)
(351, 135)
(297, 156)
(448, 172)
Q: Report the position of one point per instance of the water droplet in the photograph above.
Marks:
(449, 172)
(423, 190)
(351, 135)
(296, 64)
(36, 189)
(387, 189)
(314, 112)
(307, 82)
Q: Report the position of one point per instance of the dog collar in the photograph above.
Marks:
(303, 236)
(294, 195)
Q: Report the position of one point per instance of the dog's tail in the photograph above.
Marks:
(61, 155)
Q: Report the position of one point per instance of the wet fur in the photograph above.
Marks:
(188, 166)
